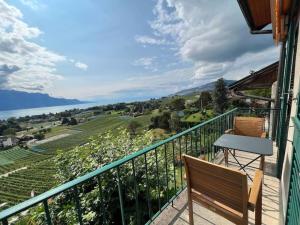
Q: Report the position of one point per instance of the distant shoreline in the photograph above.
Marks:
(5, 114)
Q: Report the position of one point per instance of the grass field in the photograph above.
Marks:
(88, 129)
(198, 117)
(34, 170)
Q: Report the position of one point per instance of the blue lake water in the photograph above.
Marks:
(43, 110)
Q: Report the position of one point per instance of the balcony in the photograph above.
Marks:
(177, 213)
(148, 186)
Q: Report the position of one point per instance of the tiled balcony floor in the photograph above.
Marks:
(178, 213)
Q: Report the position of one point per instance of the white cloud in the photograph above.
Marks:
(25, 65)
(151, 84)
(150, 40)
(36, 64)
(212, 35)
(81, 65)
(33, 4)
(146, 62)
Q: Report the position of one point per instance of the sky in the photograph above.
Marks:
(91, 49)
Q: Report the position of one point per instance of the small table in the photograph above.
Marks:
(261, 146)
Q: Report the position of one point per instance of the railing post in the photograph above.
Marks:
(167, 174)
(135, 193)
(101, 199)
(120, 196)
(47, 212)
(180, 163)
(158, 183)
(78, 206)
(4, 221)
(147, 186)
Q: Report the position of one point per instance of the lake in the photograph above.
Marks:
(43, 110)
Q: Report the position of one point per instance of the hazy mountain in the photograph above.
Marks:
(205, 87)
(10, 99)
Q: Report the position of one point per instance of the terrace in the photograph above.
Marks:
(177, 213)
(156, 185)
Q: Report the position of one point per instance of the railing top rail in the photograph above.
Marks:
(254, 108)
(69, 185)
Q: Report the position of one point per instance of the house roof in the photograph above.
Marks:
(263, 78)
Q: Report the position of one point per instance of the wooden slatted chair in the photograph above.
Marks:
(248, 126)
(223, 190)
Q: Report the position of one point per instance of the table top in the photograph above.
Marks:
(255, 145)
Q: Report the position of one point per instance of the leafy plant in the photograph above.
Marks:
(99, 197)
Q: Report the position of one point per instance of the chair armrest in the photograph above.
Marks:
(229, 131)
(256, 189)
(264, 135)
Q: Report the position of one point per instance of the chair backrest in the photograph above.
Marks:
(249, 126)
(220, 184)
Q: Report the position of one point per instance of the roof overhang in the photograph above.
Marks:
(256, 12)
(263, 78)
(261, 13)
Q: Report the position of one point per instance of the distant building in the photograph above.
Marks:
(8, 141)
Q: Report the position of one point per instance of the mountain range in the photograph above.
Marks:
(205, 87)
(11, 99)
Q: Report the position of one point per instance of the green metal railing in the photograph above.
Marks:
(155, 174)
(167, 168)
(293, 209)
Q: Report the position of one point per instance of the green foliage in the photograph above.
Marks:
(9, 131)
(204, 100)
(65, 120)
(72, 121)
(101, 207)
(177, 104)
(133, 126)
(161, 121)
(174, 122)
(39, 136)
(219, 96)
(265, 92)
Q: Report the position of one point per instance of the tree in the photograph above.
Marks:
(161, 121)
(177, 104)
(204, 100)
(72, 121)
(219, 96)
(9, 131)
(65, 120)
(39, 136)
(132, 126)
(174, 122)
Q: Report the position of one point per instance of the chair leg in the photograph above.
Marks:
(258, 209)
(191, 212)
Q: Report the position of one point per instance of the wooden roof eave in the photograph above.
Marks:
(262, 78)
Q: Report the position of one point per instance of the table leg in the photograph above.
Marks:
(226, 157)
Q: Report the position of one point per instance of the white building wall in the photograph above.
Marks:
(286, 169)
